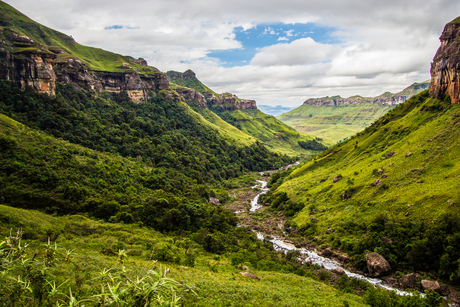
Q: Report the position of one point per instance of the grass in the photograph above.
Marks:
(276, 135)
(216, 281)
(336, 123)
(333, 123)
(421, 177)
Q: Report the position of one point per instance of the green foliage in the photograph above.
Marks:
(376, 297)
(38, 280)
(312, 145)
(408, 196)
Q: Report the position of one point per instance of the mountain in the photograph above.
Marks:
(392, 188)
(336, 118)
(274, 111)
(242, 114)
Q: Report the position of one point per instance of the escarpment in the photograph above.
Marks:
(224, 102)
(445, 68)
(386, 98)
(28, 63)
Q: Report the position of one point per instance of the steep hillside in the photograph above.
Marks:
(394, 180)
(336, 118)
(242, 114)
(392, 188)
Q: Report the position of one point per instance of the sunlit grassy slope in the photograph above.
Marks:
(275, 134)
(225, 128)
(333, 123)
(216, 281)
(420, 182)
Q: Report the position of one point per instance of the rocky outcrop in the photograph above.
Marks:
(226, 101)
(135, 85)
(32, 68)
(192, 96)
(445, 68)
(27, 63)
(386, 98)
(230, 102)
(377, 265)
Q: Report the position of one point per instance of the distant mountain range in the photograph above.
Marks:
(335, 118)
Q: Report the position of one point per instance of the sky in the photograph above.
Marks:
(277, 52)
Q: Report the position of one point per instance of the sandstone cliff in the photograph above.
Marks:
(445, 68)
(386, 98)
(26, 62)
(197, 91)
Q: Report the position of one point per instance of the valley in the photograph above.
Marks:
(121, 185)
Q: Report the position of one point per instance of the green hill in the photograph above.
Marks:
(272, 132)
(335, 118)
(333, 123)
(252, 123)
(396, 179)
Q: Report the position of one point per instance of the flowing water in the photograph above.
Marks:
(310, 255)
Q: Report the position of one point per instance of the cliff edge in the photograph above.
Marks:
(445, 68)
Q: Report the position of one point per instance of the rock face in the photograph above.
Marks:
(377, 265)
(250, 275)
(27, 63)
(445, 68)
(226, 101)
(386, 98)
(192, 96)
(33, 68)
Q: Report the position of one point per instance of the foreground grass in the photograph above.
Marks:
(216, 282)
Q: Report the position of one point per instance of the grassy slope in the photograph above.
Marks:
(225, 128)
(339, 122)
(96, 59)
(333, 123)
(426, 128)
(191, 83)
(217, 282)
(275, 134)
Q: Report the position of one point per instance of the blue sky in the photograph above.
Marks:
(264, 35)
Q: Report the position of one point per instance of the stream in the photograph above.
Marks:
(312, 256)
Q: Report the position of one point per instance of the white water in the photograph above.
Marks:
(263, 187)
(312, 256)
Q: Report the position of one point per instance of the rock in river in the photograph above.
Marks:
(377, 265)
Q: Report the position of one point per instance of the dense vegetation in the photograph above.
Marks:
(162, 133)
(394, 180)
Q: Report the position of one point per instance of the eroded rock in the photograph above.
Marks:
(430, 285)
(377, 265)
(408, 281)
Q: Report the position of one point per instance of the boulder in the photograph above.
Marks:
(336, 178)
(250, 275)
(376, 183)
(344, 258)
(390, 154)
(408, 281)
(430, 285)
(408, 154)
(214, 201)
(380, 171)
(339, 271)
(327, 252)
(377, 265)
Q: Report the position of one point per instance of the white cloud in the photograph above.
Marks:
(385, 45)
(299, 52)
